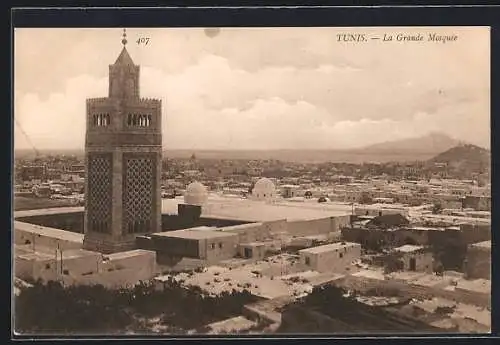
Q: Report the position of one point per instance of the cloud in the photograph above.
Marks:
(58, 121)
(315, 96)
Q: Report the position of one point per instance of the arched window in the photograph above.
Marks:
(149, 120)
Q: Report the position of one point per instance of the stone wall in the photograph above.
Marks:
(36, 236)
(310, 227)
(218, 248)
(338, 260)
(478, 263)
(89, 268)
(71, 221)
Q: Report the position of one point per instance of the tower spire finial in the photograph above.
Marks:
(124, 40)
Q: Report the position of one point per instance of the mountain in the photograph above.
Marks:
(465, 156)
(413, 149)
(431, 144)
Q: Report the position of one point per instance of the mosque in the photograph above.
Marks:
(126, 232)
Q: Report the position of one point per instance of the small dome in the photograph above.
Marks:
(264, 184)
(264, 189)
(196, 194)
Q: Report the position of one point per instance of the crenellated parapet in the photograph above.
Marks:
(98, 101)
(150, 102)
(123, 145)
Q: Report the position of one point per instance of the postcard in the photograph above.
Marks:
(264, 180)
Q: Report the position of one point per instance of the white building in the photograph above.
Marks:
(335, 257)
(196, 194)
(264, 189)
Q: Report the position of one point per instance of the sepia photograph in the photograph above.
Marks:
(251, 181)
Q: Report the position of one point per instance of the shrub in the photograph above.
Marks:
(83, 309)
(444, 310)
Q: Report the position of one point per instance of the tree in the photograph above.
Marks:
(437, 208)
(54, 308)
(439, 268)
(393, 263)
(366, 199)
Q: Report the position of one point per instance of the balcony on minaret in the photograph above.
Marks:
(124, 77)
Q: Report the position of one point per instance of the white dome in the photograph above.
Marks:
(264, 189)
(196, 194)
(264, 184)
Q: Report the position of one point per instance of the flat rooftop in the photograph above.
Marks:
(329, 247)
(66, 254)
(456, 219)
(215, 280)
(408, 248)
(48, 211)
(240, 227)
(370, 274)
(129, 254)
(49, 232)
(482, 245)
(225, 207)
(198, 233)
(476, 285)
(461, 310)
(261, 211)
(376, 206)
(77, 253)
(231, 325)
(320, 237)
(272, 282)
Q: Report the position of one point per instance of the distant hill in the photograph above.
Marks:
(302, 156)
(30, 153)
(413, 149)
(431, 144)
(465, 156)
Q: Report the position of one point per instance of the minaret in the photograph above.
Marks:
(123, 148)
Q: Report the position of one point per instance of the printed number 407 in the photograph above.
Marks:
(143, 40)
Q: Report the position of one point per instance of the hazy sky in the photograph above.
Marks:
(260, 88)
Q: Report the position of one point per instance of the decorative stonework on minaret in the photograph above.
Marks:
(123, 148)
